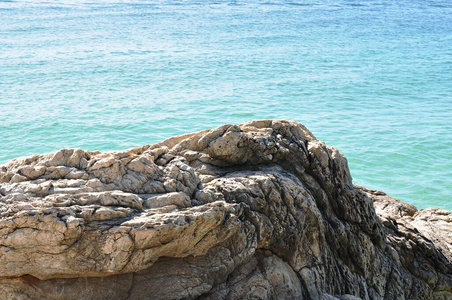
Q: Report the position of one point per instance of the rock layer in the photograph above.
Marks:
(262, 210)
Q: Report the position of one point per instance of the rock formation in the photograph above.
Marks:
(263, 210)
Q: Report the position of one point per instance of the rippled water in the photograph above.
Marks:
(373, 78)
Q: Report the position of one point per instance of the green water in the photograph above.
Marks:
(373, 78)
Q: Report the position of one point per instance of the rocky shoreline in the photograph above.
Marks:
(262, 210)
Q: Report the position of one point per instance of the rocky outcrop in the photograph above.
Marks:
(263, 210)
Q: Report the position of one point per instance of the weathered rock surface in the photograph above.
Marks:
(258, 211)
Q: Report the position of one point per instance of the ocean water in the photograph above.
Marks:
(373, 78)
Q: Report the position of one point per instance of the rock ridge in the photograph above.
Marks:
(261, 210)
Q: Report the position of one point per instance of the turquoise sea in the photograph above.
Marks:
(373, 78)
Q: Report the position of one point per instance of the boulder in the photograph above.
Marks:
(262, 210)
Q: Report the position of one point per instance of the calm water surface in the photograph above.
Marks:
(373, 78)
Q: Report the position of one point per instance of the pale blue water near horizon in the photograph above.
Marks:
(373, 78)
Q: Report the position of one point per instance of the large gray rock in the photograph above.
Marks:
(263, 210)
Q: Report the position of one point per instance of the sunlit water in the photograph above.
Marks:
(373, 78)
